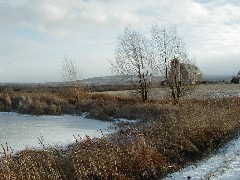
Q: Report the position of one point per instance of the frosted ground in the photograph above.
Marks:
(200, 91)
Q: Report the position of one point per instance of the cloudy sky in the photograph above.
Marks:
(35, 35)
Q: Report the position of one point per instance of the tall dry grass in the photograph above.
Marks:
(171, 137)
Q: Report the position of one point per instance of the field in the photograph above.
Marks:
(200, 91)
(167, 138)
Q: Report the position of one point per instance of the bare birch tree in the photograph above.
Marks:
(70, 72)
(133, 60)
(169, 53)
(70, 75)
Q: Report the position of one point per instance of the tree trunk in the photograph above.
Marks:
(144, 92)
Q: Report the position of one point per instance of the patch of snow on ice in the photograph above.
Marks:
(122, 120)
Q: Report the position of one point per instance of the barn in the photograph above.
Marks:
(184, 73)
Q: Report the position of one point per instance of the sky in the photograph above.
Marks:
(35, 35)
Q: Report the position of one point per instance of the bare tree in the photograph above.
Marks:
(170, 55)
(133, 60)
(179, 85)
(70, 71)
(70, 74)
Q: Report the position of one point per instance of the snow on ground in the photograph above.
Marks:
(122, 120)
(224, 165)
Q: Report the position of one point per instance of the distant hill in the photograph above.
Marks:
(105, 80)
(217, 78)
(121, 80)
(108, 80)
(112, 80)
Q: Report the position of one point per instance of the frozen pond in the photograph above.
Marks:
(21, 131)
(223, 165)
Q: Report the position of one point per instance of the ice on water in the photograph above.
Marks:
(21, 131)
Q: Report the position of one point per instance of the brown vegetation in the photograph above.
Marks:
(170, 137)
(69, 101)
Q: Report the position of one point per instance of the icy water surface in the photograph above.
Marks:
(21, 131)
(225, 165)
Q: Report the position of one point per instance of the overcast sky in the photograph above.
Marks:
(35, 35)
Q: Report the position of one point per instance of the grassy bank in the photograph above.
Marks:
(168, 138)
(71, 101)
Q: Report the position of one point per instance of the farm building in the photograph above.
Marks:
(184, 73)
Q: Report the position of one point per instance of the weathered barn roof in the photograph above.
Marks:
(192, 68)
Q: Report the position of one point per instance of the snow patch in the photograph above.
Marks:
(223, 165)
(122, 120)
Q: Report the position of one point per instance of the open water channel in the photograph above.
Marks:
(21, 131)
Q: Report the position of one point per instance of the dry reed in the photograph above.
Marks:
(170, 137)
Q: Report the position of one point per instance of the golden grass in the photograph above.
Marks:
(170, 137)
